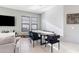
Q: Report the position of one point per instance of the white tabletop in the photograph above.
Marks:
(43, 32)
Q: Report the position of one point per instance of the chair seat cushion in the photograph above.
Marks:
(35, 39)
(53, 41)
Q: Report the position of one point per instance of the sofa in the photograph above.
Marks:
(8, 43)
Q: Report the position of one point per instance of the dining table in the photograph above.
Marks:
(43, 34)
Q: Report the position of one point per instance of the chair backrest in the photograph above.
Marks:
(58, 36)
(49, 37)
(34, 36)
(30, 33)
(54, 37)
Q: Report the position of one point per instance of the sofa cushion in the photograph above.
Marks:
(6, 40)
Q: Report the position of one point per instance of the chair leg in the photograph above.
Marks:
(33, 44)
(58, 45)
(45, 44)
(41, 41)
(51, 48)
(15, 49)
(30, 41)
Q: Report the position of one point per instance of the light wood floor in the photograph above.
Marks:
(25, 46)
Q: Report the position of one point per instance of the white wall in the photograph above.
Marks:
(17, 14)
(71, 31)
(52, 20)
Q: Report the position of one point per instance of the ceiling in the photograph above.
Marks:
(30, 8)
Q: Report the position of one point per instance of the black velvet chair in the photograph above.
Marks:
(30, 34)
(34, 36)
(52, 40)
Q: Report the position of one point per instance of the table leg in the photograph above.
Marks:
(41, 40)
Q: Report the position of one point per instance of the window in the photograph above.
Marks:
(29, 23)
(34, 23)
(25, 24)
